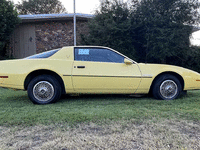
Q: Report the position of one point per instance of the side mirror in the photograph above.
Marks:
(127, 61)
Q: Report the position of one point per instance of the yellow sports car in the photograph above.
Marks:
(93, 70)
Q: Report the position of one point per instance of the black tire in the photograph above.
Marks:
(166, 87)
(44, 89)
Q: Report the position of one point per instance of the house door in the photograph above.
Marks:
(23, 42)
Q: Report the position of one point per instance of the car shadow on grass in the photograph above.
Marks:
(112, 97)
(99, 97)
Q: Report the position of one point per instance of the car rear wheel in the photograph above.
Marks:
(166, 87)
(44, 89)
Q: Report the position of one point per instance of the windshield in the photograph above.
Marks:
(43, 55)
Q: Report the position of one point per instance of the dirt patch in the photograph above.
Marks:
(165, 134)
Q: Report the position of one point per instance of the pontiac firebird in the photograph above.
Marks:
(89, 70)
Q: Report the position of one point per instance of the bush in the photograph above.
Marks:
(192, 61)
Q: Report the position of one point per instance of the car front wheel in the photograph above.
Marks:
(167, 87)
(44, 89)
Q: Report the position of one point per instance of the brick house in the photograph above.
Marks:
(43, 32)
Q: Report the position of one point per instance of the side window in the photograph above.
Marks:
(97, 55)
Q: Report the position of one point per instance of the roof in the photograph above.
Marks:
(48, 17)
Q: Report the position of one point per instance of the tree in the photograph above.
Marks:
(111, 27)
(9, 19)
(156, 31)
(40, 7)
(162, 29)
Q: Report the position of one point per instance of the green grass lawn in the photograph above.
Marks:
(17, 109)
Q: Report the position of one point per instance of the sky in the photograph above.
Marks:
(195, 40)
(89, 7)
(82, 6)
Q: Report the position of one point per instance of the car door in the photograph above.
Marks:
(101, 70)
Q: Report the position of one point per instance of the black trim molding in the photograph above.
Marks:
(110, 76)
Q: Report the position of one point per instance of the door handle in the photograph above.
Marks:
(80, 66)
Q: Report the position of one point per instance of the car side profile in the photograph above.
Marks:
(93, 70)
